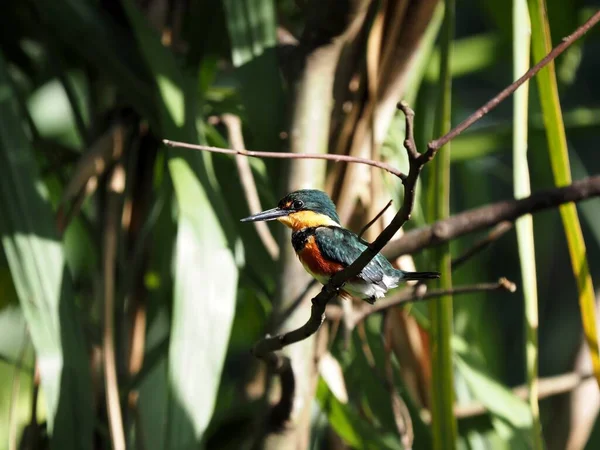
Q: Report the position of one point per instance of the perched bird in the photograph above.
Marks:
(324, 247)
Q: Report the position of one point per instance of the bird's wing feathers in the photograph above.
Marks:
(343, 246)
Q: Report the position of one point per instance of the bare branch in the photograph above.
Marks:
(410, 295)
(236, 139)
(286, 155)
(496, 232)
(266, 346)
(486, 216)
(435, 145)
(374, 219)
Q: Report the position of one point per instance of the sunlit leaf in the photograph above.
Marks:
(205, 273)
(497, 399)
(559, 159)
(43, 283)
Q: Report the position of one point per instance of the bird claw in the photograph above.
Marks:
(370, 300)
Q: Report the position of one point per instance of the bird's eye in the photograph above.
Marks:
(298, 204)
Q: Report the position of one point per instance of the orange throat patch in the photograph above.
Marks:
(313, 261)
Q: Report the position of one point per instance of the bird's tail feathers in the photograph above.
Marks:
(419, 275)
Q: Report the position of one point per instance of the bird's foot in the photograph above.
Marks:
(370, 300)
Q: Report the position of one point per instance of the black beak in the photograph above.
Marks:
(269, 214)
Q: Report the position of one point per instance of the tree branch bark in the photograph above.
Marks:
(490, 215)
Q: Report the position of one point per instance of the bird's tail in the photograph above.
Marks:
(419, 275)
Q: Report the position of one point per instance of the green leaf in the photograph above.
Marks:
(205, 272)
(43, 283)
(92, 33)
(252, 30)
(470, 54)
(497, 399)
(559, 160)
(347, 423)
(442, 386)
(524, 225)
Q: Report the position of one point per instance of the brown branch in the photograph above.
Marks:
(265, 347)
(486, 216)
(410, 295)
(496, 232)
(236, 140)
(374, 219)
(116, 187)
(286, 155)
(436, 144)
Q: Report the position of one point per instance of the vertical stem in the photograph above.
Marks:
(113, 403)
(524, 225)
(561, 169)
(442, 388)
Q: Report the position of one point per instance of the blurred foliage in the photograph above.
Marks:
(90, 86)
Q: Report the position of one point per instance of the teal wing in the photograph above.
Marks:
(343, 246)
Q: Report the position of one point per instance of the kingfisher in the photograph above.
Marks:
(324, 247)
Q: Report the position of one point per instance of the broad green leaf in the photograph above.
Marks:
(252, 30)
(347, 423)
(205, 273)
(498, 399)
(51, 110)
(469, 55)
(524, 225)
(442, 385)
(93, 35)
(559, 160)
(43, 283)
(374, 398)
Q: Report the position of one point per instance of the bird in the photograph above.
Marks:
(325, 247)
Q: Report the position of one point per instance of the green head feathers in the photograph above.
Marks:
(310, 200)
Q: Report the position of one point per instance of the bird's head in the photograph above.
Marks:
(301, 209)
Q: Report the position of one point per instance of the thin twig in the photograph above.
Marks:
(375, 219)
(436, 144)
(101, 155)
(496, 232)
(115, 419)
(487, 216)
(286, 155)
(410, 295)
(236, 139)
(266, 347)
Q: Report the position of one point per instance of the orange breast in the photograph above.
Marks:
(313, 260)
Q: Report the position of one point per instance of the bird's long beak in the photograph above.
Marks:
(269, 214)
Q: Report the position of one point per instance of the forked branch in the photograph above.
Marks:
(266, 347)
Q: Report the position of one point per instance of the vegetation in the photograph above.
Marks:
(131, 295)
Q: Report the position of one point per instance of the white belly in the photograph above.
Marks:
(360, 289)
